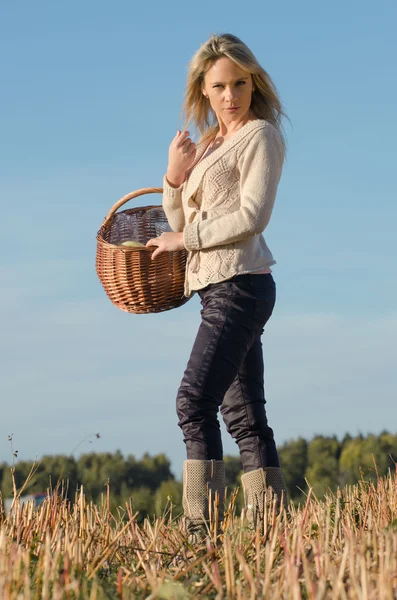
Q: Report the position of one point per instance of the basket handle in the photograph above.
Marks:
(130, 196)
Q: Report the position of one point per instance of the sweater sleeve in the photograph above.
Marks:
(260, 171)
(172, 205)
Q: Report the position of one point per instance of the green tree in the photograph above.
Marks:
(293, 461)
(234, 470)
(22, 470)
(95, 469)
(365, 456)
(148, 472)
(54, 470)
(169, 492)
(142, 500)
(323, 464)
(388, 445)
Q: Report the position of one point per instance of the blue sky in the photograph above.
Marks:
(90, 99)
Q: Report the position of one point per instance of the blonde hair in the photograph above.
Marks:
(265, 102)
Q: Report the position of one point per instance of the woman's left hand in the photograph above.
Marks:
(167, 242)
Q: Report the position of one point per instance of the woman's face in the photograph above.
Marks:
(229, 90)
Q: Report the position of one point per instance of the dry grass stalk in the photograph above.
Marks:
(343, 547)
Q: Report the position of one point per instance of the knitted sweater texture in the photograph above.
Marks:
(225, 203)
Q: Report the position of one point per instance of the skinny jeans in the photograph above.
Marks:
(225, 372)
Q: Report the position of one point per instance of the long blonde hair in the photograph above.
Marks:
(265, 102)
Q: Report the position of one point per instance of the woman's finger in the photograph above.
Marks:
(187, 150)
(182, 139)
(156, 252)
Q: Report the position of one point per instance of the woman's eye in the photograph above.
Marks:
(220, 85)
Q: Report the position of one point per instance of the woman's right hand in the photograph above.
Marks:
(181, 155)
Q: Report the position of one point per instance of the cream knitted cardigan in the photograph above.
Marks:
(225, 203)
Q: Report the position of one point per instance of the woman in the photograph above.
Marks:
(218, 198)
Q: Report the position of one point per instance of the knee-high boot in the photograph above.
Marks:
(203, 496)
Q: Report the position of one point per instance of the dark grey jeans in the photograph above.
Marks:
(225, 371)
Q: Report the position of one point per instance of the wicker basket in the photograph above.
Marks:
(131, 279)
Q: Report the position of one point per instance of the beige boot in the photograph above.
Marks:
(258, 487)
(203, 496)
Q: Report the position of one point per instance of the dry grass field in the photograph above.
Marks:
(344, 546)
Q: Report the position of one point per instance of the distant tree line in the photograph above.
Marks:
(325, 463)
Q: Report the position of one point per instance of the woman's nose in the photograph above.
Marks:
(230, 94)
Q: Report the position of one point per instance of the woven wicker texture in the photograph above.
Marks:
(133, 282)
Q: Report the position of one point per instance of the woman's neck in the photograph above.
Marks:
(226, 130)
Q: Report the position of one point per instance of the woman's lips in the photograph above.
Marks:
(232, 108)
